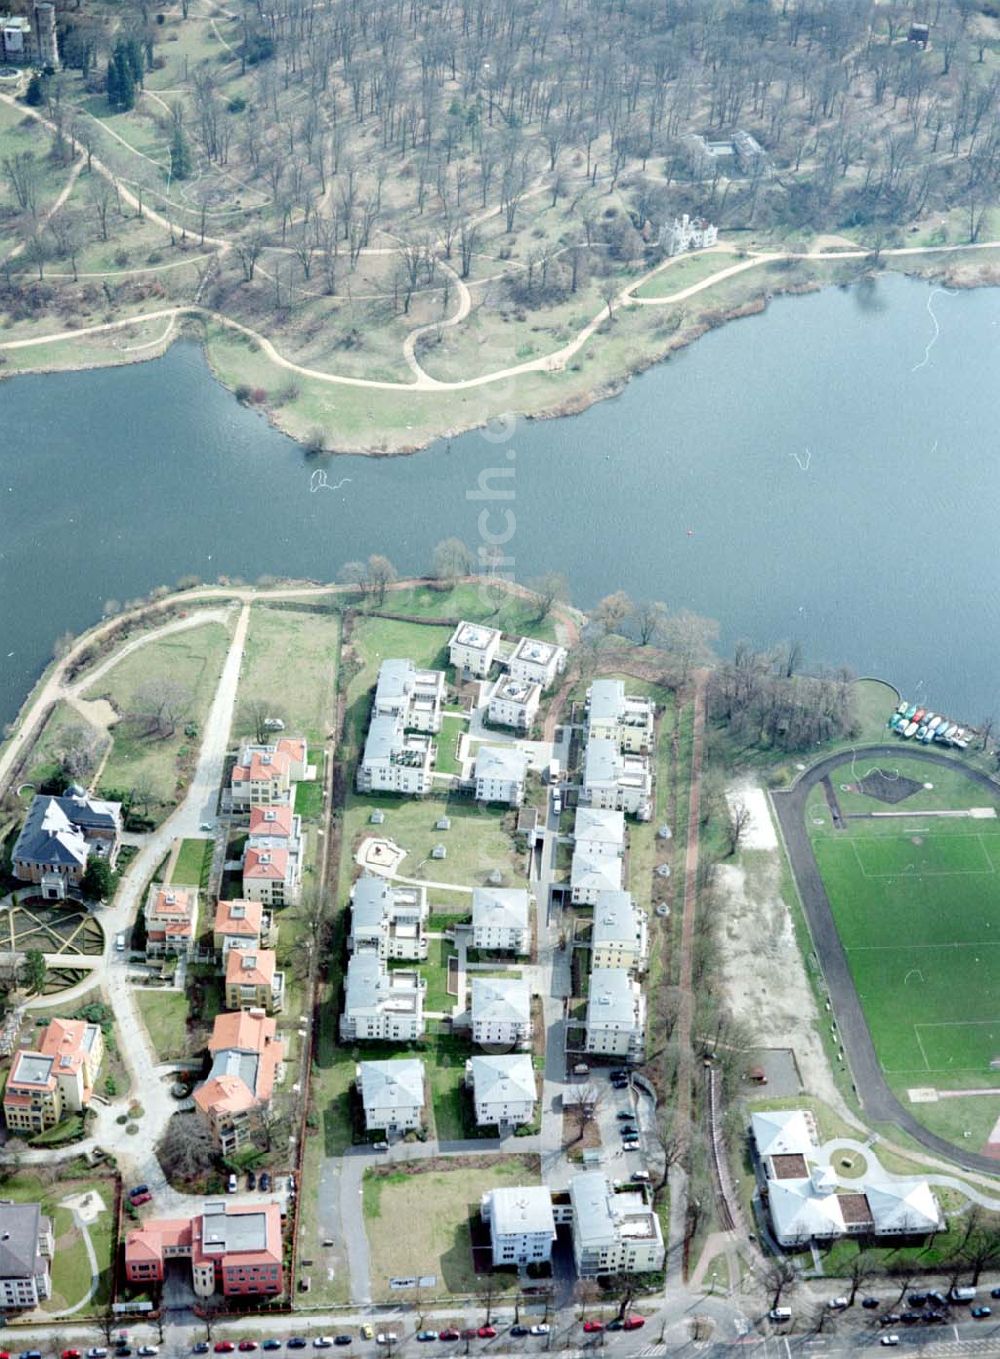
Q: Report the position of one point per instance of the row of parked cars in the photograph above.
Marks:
(324, 1342)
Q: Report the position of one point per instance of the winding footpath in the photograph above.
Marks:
(879, 1102)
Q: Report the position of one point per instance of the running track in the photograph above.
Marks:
(877, 1100)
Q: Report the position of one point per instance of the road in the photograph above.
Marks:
(877, 1099)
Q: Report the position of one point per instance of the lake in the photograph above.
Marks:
(822, 472)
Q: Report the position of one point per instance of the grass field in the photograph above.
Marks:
(405, 1239)
(193, 863)
(916, 899)
(301, 694)
(164, 1014)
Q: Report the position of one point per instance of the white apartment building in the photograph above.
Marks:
(394, 760)
(513, 703)
(522, 1224)
(382, 1004)
(415, 695)
(613, 1233)
(26, 1249)
(501, 1011)
(616, 1015)
(613, 715)
(473, 648)
(500, 772)
(392, 1094)
(615, 781)
(504, 1090)
(388, 919)
(620, 933)
(598, 852)
(537, 662)
(501, 919)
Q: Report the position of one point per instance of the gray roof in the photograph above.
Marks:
(601, 825)
(370, 900)
(385, 735)
(476, 636)
(395, 1084)
(501, 999)
(607, 699)
(395, 680)
(506, 763)
(31, 1068)
(518, 1209)
(613, 996)
(595, 870)
(366, 984)
(601, 1217)
(500, 908)
(233, 1062)
(503, 1079)
(602, 762)
(782, 1132)
(55, 829)
(20, 1227)
(223, 1233)
(617, 919)
(532, 650)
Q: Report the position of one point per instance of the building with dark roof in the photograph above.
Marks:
(58, 837)
(26, 1249)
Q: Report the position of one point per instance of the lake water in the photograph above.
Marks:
(814, 473)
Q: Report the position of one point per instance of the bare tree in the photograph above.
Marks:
(185, 1151)
(259, 713)
(162, 701)
(548, 589)
(611, 612)
(738, 825)
(452, 559)
(648, 618)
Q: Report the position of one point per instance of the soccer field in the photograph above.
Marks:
(917, 906)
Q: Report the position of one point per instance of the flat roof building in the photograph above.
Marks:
(613, 1233)
(522, 1224)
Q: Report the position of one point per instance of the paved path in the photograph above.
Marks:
(685, 1017)
(877, 1173)
(879, 1102)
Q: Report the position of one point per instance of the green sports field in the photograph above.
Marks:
(916, 898)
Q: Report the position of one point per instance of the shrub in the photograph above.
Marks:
(242, 392)
(258, 396)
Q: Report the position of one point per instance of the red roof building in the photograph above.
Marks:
(235, 1249)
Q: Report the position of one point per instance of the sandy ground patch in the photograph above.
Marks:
(760, 833)
(764, 973)
(97, 711)
(86, 1206)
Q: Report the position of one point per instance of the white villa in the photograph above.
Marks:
(500, 772)
(392, 1094)
(613, 715)
(686, 233)
(598, 851)
(616, 1014)
(536, 662)
(620, 933)
(394, 760)
(615, 781)
(414, 695)
(382, 1004)
(501, 920)
(473, 648)
(522, 1224)
(504, 1090)
(501, 1011)
(513, 703)
(388, 919)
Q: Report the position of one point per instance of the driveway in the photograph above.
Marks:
(879, 1102)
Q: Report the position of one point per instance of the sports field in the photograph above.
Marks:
(916, 898)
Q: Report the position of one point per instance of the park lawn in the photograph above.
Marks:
(509, 612)
(162, 764)
(193, 863)
(953, 1118)
(290, 666)
(165, 1014)
(71, 1265)
(480, 839)
(434, 971)
(405, 1239)
(685, 271)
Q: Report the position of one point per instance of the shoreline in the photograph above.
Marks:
(948, 268)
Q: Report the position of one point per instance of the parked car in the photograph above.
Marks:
(367, 1332)
(271, 1345)
(910, 1317)
(140, 1199)
(296, 1343)
(247, 1345)
(380, 1146)
(322, 1342)
(519, 1330)
(995, 1292)
(448, 1334)
(618, 1072)
(71, 1354)
(981, 1312)
(625, 1113)
(147, 1351)
(838, 1304)
(916, 1299)
(938, 1298)
(200, 1347)
(540, 1328)
(619, 1082)
(232, 1184)
(631, 1146)
(427, 1335)
(593, 1326)
(386, 1338)
(121, 1352)
(264, 1182)
(487, 1332)
(95, 1352)
(891, 1339)
(633, 1323)
(224, 1347)
(139, 1189)
(251, 1180)
(870, 1303)
(616, 1325)
(342, 1339)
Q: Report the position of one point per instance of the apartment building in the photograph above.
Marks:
(56, 1079)
(388, 919)
(473, 648)
(536, 662)
(273, 856)
(501, 1011)
(513, 703)
(265, 775)
(26, 1251)
(171, 920)
(504, 1090)
(58, 837)
(615, 781)
(392, 1094)
(381, 1004)
(253, 981)
(522, 1224)
(395, 760)
(620, 933)
(233, 1249)
(500, 773)
(625, 719)
(247, 1058)
(241, 925)
(416, 696)
(501, 920)
(614, 1232)
(616, 1015)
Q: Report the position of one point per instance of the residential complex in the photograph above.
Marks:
(171, 920)
(392, 1094)
(504, 1090)
(501, 920)
(614, 1231)
(56, 1079)
(522, 1224)
(616, 1015)
(536, 662)
(26, 1250)
(415, 696)
(616, 782)
(382, 1004)
(513, 703)
(501, 1011)
(473, 649)
(388, 919)
(500, 772)
(240, 925)
(58, 837)
(272, 856)
(247, 1058)
(264, 776)
(598, 852)
(395, 760)
(232, 1248)
(620, 933)
(253, 981)
(613, 715)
